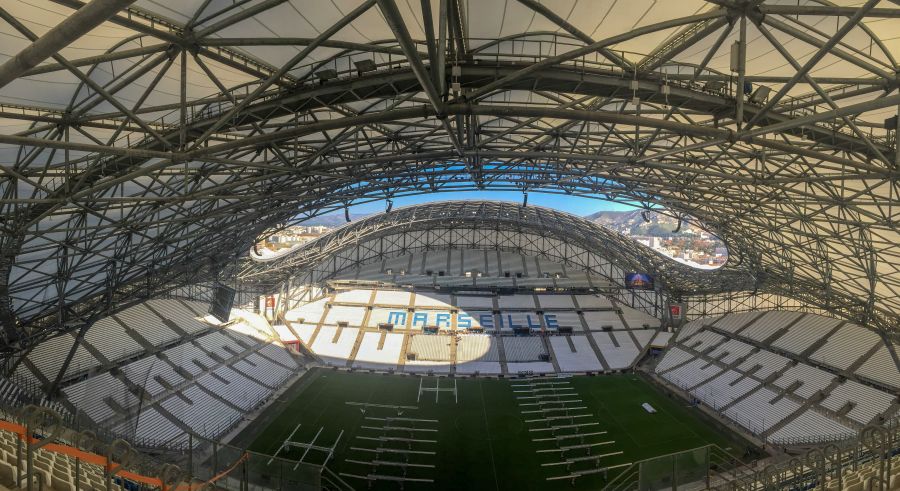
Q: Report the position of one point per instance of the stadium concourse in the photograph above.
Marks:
(147, 147)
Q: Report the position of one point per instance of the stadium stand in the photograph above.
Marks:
(334, 344)
(477, 353)
(787, 397)
(574, 354)
(520, 349)
(380, 351)
(599, 320)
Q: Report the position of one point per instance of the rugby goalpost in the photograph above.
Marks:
(437, 389)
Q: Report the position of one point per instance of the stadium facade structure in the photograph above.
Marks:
(511, 227)
(186, 134)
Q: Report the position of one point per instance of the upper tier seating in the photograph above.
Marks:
(147, 324)
(144, 373)
(593, 302)
(310, 313)
(770, 323)
(437, 300)
(475, 301)
(601, 319)
(392, 298)
(353, 296)
(512, 302)
(805, 333)
(845, 346)
(731, 322)
(881, 367)
(556, 302)
(341, 315)
(636, 319)
(112, 341)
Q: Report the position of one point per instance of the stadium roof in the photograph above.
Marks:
(146, 144)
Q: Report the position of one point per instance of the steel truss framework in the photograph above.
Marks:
(103, 207)
(530, 230)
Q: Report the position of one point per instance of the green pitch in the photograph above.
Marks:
(484, 440)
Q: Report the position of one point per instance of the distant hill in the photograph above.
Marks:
(333, 219)
(633, 222)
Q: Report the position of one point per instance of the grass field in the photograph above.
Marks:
(483, 441)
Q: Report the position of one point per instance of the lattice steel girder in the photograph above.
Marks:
(60, 36)
(809, 207)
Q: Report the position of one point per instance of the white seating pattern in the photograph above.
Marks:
(475, 301)
(261, 369)
(238, 390)
(735, 350)
(147, 324)
(768, 362)
(732, 322)
(692, 373)
(205, 415)
(431, 348)
(637, 319)
(370, 356)
(582, 359)
(869, 402)
(353, 296)
(112, 341)
(593, 302)
(477, 347)
(184, 313)
(438, 300)
(845, 346)
(331, 351)
(556, 301)
(151, 425)
(812, 378)
(722, 390)
(523, 348)
(809, 424)
(392, 297)
(352, 316)
(516, 302)
(617, 357)
(756, 413)
(597, 320)
(881, 367)
(143, 373)
(89, 396)
(703, 340)
(804, 333)
(769, 324)
(673, 357)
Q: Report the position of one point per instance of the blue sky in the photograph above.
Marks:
(572, 204)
